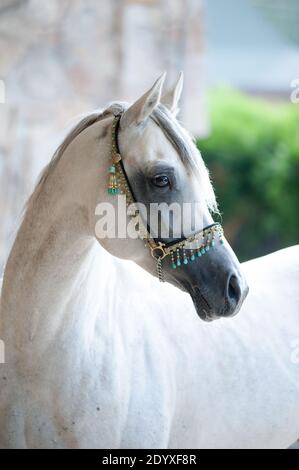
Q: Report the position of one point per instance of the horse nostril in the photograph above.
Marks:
(233, 290)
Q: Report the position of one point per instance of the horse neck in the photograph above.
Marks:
(55, 262)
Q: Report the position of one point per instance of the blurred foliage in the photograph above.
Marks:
(253, 157)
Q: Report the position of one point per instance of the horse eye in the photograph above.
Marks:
(161, 181)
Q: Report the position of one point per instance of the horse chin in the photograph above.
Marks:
(207, 316)
(202, 307)
(200, 302)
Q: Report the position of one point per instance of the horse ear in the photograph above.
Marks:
(143, 107)
(172, 97)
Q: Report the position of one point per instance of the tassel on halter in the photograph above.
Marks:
(113, 187)
(202, 242)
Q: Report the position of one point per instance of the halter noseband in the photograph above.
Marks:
(197, 244)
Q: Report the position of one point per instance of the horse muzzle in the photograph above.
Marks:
(215, 282)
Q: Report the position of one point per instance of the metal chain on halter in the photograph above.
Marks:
(160, 270)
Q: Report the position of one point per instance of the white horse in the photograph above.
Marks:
(99, 354)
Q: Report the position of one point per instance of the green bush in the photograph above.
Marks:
(253, 157)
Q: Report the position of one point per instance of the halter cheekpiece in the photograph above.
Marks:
(181, 252)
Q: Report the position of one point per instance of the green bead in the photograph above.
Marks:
(178, 263)
(185, 261)
(192, 258)
(173, 266)
(213, 243)
(207, 247)
(111, 169)
(198, 254)
(202, 251)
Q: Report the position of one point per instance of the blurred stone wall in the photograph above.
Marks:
(60, 58)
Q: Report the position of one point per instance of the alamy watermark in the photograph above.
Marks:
(295, 93)
(2, 91)
(137, 220)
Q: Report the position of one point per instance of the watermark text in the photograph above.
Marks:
(295, 93)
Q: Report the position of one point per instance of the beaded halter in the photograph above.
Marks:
(181, 252)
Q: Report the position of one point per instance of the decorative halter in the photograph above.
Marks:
(180, 252)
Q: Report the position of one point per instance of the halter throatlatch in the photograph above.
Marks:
(181, 252)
